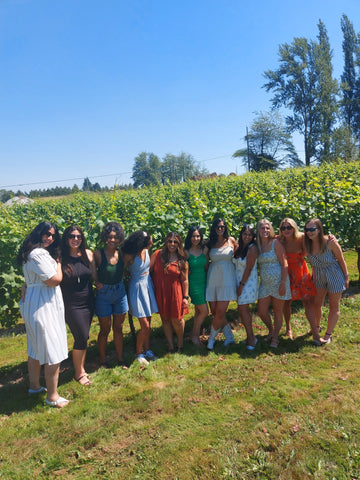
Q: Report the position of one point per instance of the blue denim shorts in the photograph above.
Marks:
(111, 300)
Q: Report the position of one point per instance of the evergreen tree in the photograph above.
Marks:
(348, 78)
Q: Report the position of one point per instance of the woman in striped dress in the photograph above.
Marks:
(330, 273)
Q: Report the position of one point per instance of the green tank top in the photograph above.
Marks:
(110, 274)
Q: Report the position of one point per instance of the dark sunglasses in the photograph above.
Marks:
(287, 227)
(175, 242)
(311, 229)
(48, 234)
(220, 227)
(71, 236)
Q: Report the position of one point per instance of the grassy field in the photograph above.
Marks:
(290, 413)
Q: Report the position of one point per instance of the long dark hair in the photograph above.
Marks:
(242, 250)
(213, 238)
(190, 233)
(34, 240)
(136, 242)
(65, 249)
(165, 255)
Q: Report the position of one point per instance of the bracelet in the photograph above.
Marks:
(243, 284)
(186, 297)
(346, 275)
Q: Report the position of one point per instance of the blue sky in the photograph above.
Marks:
(86, 85)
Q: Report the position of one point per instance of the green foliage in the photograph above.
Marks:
(331, 192)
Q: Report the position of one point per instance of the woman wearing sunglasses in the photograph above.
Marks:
(221, 281)
(78, 270)
(301, 284)
(330, 273)
(171, 288)
(42, 310)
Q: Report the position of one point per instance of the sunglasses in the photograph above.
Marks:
(71, 236)
(175, 242)
(48, 234)
(311, 229)
(287, 227)
(220, 227)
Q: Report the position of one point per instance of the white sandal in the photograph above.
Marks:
(57, 402)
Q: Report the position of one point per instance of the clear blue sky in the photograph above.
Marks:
(86, 85)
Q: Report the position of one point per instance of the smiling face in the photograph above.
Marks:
(264, 230)
(220, 229)
(74, 239)
(195, 238)
(172, 244)
(112, 240)
(48, 238)
(312, 230)
(287, 230)
(246, 237)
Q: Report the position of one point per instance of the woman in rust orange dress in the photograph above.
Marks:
(301, 284)
(171, 284)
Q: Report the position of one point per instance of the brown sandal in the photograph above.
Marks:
(85, 376)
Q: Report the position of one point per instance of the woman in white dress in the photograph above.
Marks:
(247, 280)
(42, 310)
(221, 283)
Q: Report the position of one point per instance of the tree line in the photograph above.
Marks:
(324, 110)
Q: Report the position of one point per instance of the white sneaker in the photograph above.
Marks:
(149, 355)
(142, 360)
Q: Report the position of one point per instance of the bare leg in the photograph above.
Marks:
(105, 326)
(118, 321)
(168, 331)
(201, 312)
(178, 324)
(246, 320)
(310, 315)
(78, 357)
(278, 307)
(287, 316)
(51, 379)
(34, 369)
(317, 305)
(143, 337)
(334, 311)
(219, 312)
(263, 312)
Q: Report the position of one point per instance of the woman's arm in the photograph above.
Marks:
(250, 262)
(94, 267)
(184, 279)
(280, 253)
(55, 280)
(336, 250)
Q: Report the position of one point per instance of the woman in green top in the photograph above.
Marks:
(197, 255)
(111, 299)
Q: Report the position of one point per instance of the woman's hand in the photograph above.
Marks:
(98, 285)
(282, 289)
(23, 292)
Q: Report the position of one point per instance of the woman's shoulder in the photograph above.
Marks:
(89, 254)
(39, 252)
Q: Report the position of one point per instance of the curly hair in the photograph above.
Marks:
(136, 242)
(213, 238)
(34, 240)
(165, 254)
(65, 249)
(190, 233)
(112, 227)
(242, 250)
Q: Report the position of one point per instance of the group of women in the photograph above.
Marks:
(262, 267)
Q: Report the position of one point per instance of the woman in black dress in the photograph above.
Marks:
(77, 266)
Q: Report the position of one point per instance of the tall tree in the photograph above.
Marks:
(299, 85)
(269, 144)
(348, 77)
(146, 170)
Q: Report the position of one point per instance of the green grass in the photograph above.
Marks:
(229, 414)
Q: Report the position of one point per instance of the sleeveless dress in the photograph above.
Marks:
(141, 292)
(270, 275)
(221, 281)
(326, 271)
(250, 290)
(301, 284)
(197, 278)
(168, 289)
(43, 310)
(78, 298)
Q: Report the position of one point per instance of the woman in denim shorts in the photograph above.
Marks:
(111, 299)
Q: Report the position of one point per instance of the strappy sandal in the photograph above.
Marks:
(56, 403)
(327, 338)
(87, 381)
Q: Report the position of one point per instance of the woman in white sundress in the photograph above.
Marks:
(42, 310)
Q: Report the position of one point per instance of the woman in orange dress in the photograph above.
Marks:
(171, 284)
(301, 284)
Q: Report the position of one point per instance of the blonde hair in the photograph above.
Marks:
(291, 222)
(272, 233)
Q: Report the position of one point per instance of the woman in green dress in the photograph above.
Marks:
(197, 255)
